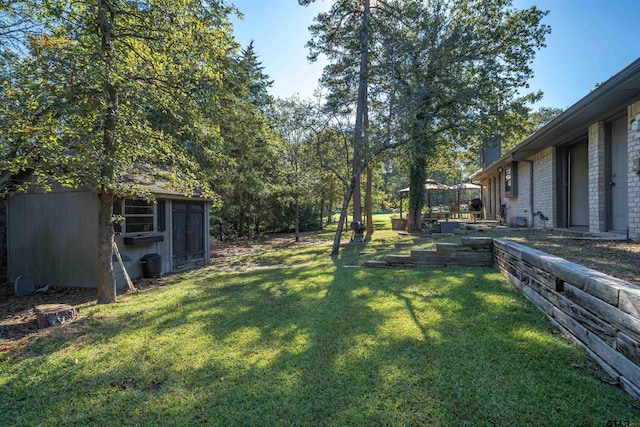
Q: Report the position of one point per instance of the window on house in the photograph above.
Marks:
(138, 216)
(508, 182)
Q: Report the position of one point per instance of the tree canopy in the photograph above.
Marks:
(436, 74)
(94, 89)
(90, 91)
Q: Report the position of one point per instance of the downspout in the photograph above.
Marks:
(515, 159)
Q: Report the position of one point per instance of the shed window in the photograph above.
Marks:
(138, 216)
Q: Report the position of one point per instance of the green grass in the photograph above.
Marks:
(302, 340)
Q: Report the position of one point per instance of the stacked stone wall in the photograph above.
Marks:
(597, 311)
(597, 199)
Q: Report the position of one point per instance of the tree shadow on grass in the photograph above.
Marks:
(324, 345)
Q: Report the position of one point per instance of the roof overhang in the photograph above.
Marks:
(606, 102)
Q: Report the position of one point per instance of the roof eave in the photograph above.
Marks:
(602, 103)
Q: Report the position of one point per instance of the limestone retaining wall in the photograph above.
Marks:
(600, 312)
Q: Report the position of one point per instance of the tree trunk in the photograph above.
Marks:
(343, 219)
(241, 220)
(368, 202)
(256, 228)
(297, 221)
(321, 211)
(357, 199)
(106, 278)
(361, 106)
(417, 177)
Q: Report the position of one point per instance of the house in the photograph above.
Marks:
(581, 171)
(52, 237)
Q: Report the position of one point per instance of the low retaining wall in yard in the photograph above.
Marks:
(472, 251)
(599, 312)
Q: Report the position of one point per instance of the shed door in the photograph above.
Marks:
(188, 233)
(619, 176)
(578, 185)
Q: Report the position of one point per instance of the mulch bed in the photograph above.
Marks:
(17, 315)
(617, 258)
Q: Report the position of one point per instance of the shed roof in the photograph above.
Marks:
(152, 180)
(158, 182)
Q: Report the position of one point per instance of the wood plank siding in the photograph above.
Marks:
(52, 238)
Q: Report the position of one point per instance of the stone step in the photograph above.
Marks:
(422, 240)
(398, 260)
(375, 264)
(448, 247)
(476, 241)
(403, 245)
(461, 231)
(411, 261)
(458, 247)
(430, 253)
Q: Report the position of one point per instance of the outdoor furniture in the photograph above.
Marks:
(474, 215)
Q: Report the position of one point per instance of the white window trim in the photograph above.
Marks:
(124, 214)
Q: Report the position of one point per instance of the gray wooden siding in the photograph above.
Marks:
(52, 238)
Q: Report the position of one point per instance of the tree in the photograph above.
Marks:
(458, 63)
(98, 88)
(430, 70)
(342, 34)
(293, 126)
(246, 126)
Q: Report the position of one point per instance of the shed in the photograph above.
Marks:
(52, 237)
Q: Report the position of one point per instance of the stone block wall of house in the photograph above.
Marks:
(597, 199)
(544, 175)
(634, 175)
(518, 207)
(543, 192)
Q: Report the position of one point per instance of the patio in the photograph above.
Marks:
(453, 209)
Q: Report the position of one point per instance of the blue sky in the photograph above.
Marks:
(591, 40)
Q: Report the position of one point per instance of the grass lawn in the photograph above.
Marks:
(300, 339)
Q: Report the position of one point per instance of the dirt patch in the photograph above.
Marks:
(17, 315)
(224, 255)
(18, 318)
